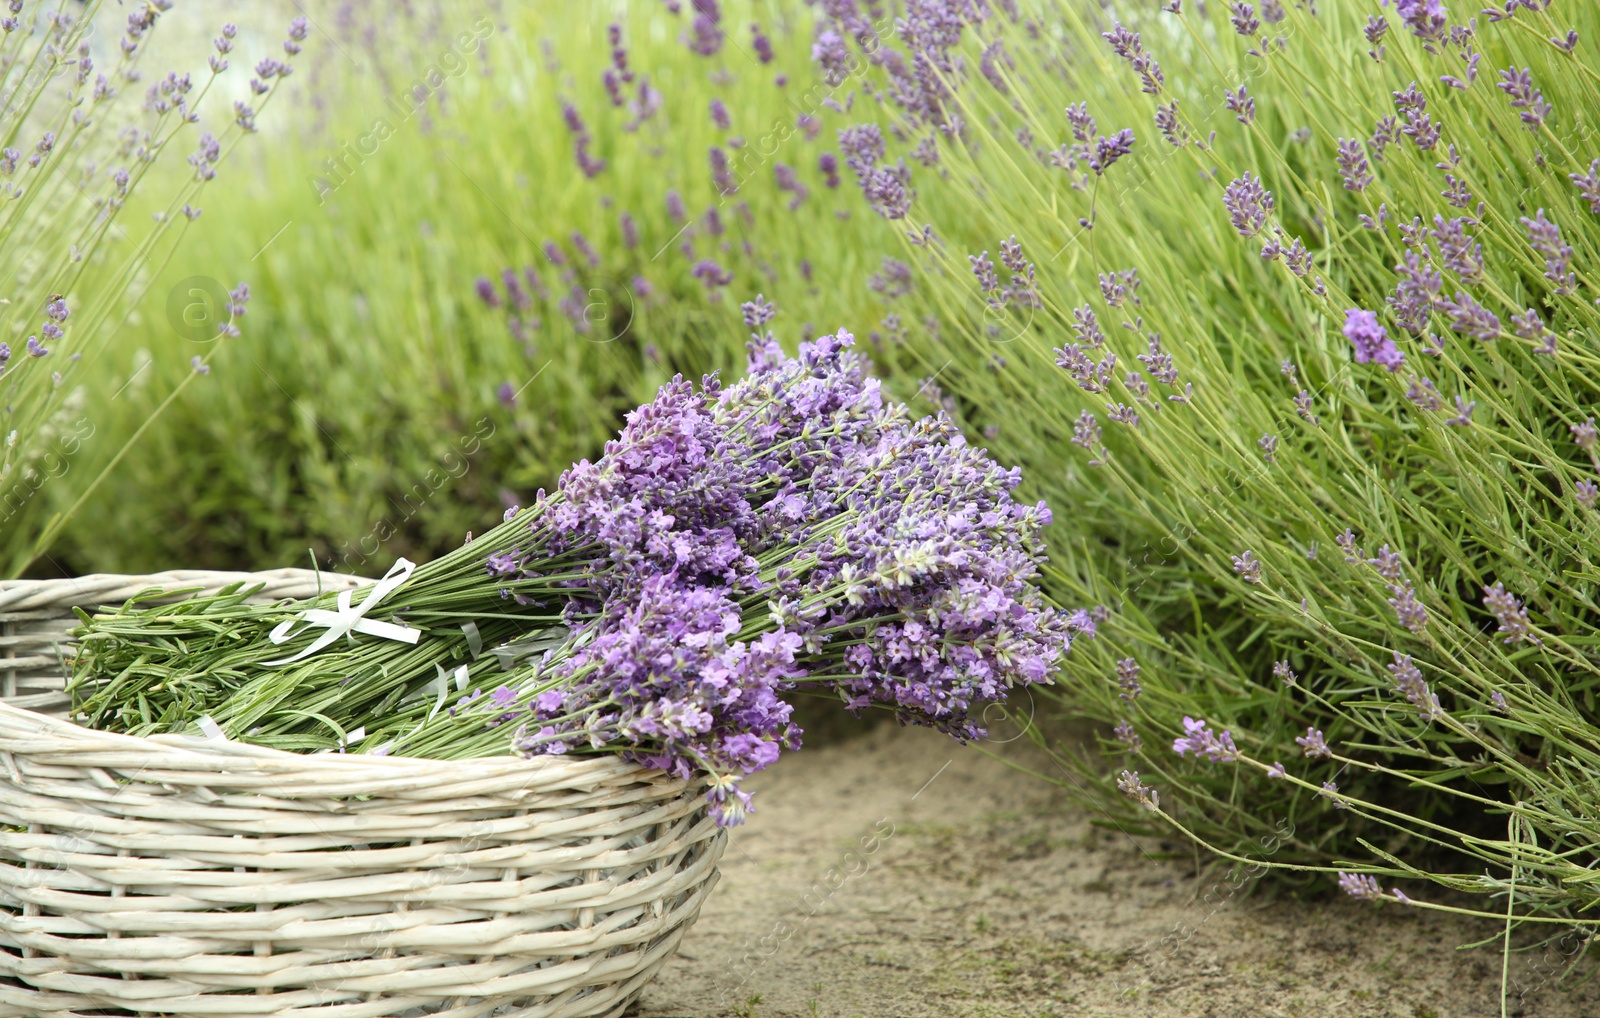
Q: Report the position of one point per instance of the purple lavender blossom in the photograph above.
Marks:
(1407, 609)
(675, 210)
(1510, 613)
(1249, 204)
(1218, 748)
(1425, 18)
(1588, 185)
(487, 292)
(1282, 671)
(828, 163)
(761, 44)
(1247, 566)
(1409, 683)
(1525, 98)
(1371, 341)
(1470, 318)
(1127, 736)
(1361, 885)
(1587, 493)
(1128, 679)
(719, 115)
(1107, 150)
(1244, 19)
(886, 192)
(1130, 785)
(711, 274)
(1353, 165)
(721, 174)
(706, 32)
(788, 180)
(1458, 250)
(1313, 744)
(1545, 238)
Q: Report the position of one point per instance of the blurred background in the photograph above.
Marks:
(473, 236)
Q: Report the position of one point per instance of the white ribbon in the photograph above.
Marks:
(349, 620)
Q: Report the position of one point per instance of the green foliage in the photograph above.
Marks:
(1154, 521)
(359, 413)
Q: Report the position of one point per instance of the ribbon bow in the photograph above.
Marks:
(349, 620)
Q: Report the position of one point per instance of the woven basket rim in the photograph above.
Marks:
(23, 731)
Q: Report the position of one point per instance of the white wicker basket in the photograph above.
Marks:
(178, 876)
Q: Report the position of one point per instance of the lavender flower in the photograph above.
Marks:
(1375, 29)
(1545, 238)
(1588, 185)
(1525, 97)
(1108, 150)
(885, 191)
(719, 115)
(1586, 492)
(1127, 736)
(1459, 252)
(1282, 671)
(1086, 431)
(1086, 327)
(1218, 748)
(1247, 566)
(1371, 341)
(1360, 885)
(983, 269)
(1353, 165)
(1302, 406)
(721, 174)
(1407, 609)
(1313, 744)
(1240, 103)
(1425, 18)
(1277, 770)
(1509, 613)
(1470, 318)
(706, 32)
(761, 44)
(486, 292)
(711, 274)
(828, 163)
(1249, 204)
(789, 181)
(1128, 679)
(1409, 683)
(1129, 784)
(1269, 447)
(1498, 700)
(675, 210)
(1244, 19)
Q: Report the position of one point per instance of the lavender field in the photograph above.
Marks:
(1102, 495)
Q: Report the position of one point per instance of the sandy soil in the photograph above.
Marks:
(898, 875)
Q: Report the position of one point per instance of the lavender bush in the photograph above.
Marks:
(1294, 306)
(76, 142)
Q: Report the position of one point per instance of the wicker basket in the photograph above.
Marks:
(184, 876)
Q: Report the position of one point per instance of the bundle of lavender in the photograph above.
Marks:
(791, 534)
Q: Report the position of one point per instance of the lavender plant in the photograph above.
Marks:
(418, 360)
(792, 533)
(1344, 508)
(75, 144)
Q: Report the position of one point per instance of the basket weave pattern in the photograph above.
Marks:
(178, 876)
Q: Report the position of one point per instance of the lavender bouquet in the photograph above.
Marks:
(794, 533)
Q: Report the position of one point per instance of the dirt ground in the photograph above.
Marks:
(897, 874)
